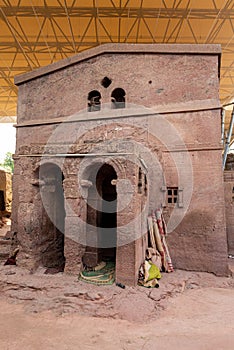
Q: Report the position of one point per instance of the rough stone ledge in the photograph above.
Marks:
(131, 111)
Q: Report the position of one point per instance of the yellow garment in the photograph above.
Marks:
(153, 271)
(149, 275)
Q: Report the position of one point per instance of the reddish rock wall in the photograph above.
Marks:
(229, 206)
(6, 187)
(174, 139)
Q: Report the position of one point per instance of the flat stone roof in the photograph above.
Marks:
(193, 49)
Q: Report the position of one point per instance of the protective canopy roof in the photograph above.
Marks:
(35, 33)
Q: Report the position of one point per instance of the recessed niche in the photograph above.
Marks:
(106, 82)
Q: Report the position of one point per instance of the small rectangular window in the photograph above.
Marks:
(172, 195)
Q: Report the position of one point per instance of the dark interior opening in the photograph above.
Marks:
(94, 98)
(2, 201)
(107, 216)
(53, 218)
(118, 98)
(106, 82)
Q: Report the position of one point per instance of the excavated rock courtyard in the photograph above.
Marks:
(189, 310)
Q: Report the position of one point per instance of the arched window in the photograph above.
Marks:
(94, 103)
(118, 98)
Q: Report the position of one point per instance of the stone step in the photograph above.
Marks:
(4, 255)
(231, 266)
(4, 241)
(5, 246)
(4, 229)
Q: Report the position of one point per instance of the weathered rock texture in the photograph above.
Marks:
(229, 205)
(230, 162)
(6, 191)
(71, 164)
(64, 294)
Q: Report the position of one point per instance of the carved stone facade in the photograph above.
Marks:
(106, 137)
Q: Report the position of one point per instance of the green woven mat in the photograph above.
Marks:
(104, 276)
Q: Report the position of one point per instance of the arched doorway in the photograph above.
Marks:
(107, 216)
(53, 217)
(101, 233)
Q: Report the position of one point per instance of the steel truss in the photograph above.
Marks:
(35, 33)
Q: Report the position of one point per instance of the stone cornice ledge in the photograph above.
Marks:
(131, 111)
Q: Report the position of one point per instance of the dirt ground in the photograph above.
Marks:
(188, 311)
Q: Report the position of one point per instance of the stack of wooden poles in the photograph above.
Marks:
(158, 233)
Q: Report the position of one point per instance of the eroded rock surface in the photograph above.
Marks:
(63, 294)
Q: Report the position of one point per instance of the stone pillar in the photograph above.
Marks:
(91, 256)
(129, 252)
(74, 227)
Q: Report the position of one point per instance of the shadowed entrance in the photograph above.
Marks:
(107, 216)
(53, 216)
(101, 234)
